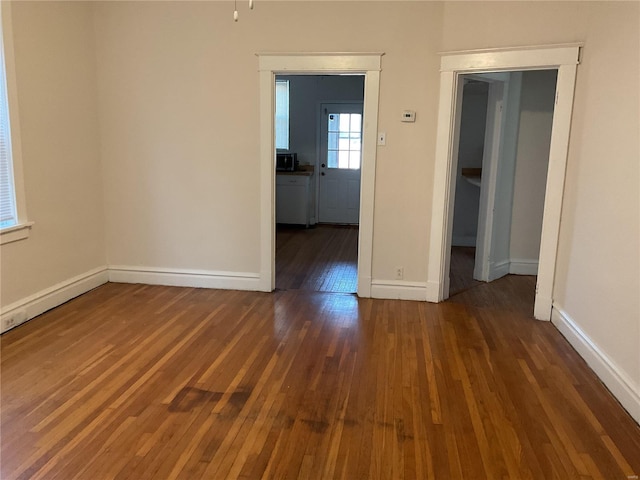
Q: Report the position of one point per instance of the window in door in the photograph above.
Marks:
(344, 136)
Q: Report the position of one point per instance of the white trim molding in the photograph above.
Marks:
(399, 289)
(513, 58)
(564, 58)
(523, 266)
(464, 241)
(617, 381)
(23, 227)
(15, 233)
(38, 303)
(272, 64)
(185, 278)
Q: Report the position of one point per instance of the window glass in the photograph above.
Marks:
(8, 214)
(282, 114)
(344, 148)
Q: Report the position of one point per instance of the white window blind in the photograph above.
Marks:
(282, 114)
(8, 214)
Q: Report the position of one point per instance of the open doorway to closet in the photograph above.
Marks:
(319, 127)
(503, 156)
(453, 66)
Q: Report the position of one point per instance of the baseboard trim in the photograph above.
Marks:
(499, 270)
(463, 241)
(616, 380)
(364, 287)
(186, 278)
(399, 290)
(433, 292)
(38, 303)
(520, 266)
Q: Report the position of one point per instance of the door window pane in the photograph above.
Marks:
(344, 140)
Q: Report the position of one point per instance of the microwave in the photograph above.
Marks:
(286, 162)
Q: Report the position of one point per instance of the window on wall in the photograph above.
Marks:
(282, 114)
(13, 224)
(8, 213)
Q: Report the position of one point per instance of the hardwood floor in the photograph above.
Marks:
(319, 259)
(151, 382)
(461, 270)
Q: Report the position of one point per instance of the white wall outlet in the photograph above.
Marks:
(408, 116)
(382, 138)
(14, 319)
(399, 273)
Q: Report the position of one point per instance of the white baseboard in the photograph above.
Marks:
(522, 266)
(433, 292)
(399, 289)
(616, 379)
(499, 270)
(38, 303)
(364, 287)
(186, 278)
(463, 241)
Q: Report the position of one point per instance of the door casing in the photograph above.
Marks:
(565, 59)
(272, 64)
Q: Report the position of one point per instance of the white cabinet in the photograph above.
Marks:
(293, 199)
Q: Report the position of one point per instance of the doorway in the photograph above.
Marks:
(319, 123)
(503, 154)
(564, 59)
(271, 65)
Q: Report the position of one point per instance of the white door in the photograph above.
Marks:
(340, 158)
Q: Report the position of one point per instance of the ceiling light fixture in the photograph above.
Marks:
(235, 9)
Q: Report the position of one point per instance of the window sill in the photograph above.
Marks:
(15, 233)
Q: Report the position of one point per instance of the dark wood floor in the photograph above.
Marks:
(463, 260)
(151, 382)
(319, 259)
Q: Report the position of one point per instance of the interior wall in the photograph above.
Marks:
(470, 154)
(597, 269)
(176, 120)
(56, 88)
(179, 123)
(537, 101)
(306, 93)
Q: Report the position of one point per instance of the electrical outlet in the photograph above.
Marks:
(14, 319)
(399, 273)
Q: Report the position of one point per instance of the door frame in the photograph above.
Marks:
(488, 183)
(272, 64)
(564, 58)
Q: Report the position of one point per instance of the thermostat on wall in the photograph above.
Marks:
(408, 116)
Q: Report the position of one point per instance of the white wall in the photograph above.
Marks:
(537, 100)
(306, 93)
(470, 153)
(178, 105)
(56, 87)
(598, 277)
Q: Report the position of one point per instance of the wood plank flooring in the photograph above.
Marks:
(319, 259)
(152, 382)
(461, 270)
